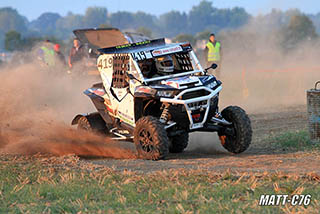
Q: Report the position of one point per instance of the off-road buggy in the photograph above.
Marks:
(157, 112)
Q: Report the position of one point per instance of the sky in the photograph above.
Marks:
(32, 9)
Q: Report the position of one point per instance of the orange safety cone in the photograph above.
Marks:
(245, 90)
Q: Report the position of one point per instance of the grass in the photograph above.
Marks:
(294, 141)
(68, 185)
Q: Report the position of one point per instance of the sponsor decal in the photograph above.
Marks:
(123, 46)
(143, 90)
(125, 118)
(176, 82)
(110, 110)
(196, 117)
(142, 55)
(133, 45)
(164, 51)
(125, 115)
(107, 101)
(173, 84)
(99, 92)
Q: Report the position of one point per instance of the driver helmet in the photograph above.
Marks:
(165, 65)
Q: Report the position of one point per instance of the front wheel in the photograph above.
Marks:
(241, 136)
(179, 143)
(150, 138)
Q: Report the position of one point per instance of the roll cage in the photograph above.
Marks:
(151, 49)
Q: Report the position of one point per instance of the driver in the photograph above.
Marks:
(164, 65)
(146, 67)
(161, 66)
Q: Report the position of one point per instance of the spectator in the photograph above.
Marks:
(46, 53)
(77, 53)
(59, 56)
(213, 53)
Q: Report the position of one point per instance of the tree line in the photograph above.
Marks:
(16, 32)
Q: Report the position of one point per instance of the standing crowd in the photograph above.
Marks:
(51, 56)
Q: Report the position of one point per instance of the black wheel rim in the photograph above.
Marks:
(146, 141)
(235, 130)
(234, 127)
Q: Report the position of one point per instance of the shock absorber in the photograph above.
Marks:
(165, 114)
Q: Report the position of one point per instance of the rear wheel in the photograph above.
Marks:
(83, 124)
(240, 138)
(179, 143)
(93, 123)
(150, 138)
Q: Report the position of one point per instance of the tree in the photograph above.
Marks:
(204, 35)
(200, 16)
(45, 23)
(299, 29)
(94, 16)
(145, 31)
(316, 21)
(237, 17)
(13, 41)
(185, 38)
(67, 24)
(173, 23)
(131, 21)
(2, 37)
(105, 25)
(142, 19)
(122, 20)
(11, 20)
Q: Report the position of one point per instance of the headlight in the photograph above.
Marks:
(165, 93)
(212, 84)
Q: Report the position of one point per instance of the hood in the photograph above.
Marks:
(182, 82)
(101, 38)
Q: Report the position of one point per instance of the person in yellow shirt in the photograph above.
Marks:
(213, 54)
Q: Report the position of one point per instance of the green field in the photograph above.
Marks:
(294, 141)
(42, 184)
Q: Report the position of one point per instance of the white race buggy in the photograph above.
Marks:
(157, 111)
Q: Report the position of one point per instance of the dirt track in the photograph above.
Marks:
(205, 152)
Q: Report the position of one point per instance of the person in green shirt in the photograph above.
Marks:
(46, 53)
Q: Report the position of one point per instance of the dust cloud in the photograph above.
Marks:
(37, 108)
(259, 75)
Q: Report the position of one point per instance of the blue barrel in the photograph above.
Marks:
(313, 106)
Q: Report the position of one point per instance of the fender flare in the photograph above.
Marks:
(76, 119)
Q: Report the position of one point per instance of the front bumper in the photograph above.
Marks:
(193, 104)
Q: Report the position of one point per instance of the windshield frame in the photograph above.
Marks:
(196, 65)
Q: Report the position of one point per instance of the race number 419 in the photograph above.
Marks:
(276, 200)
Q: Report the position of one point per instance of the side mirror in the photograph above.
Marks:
(213, 66)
